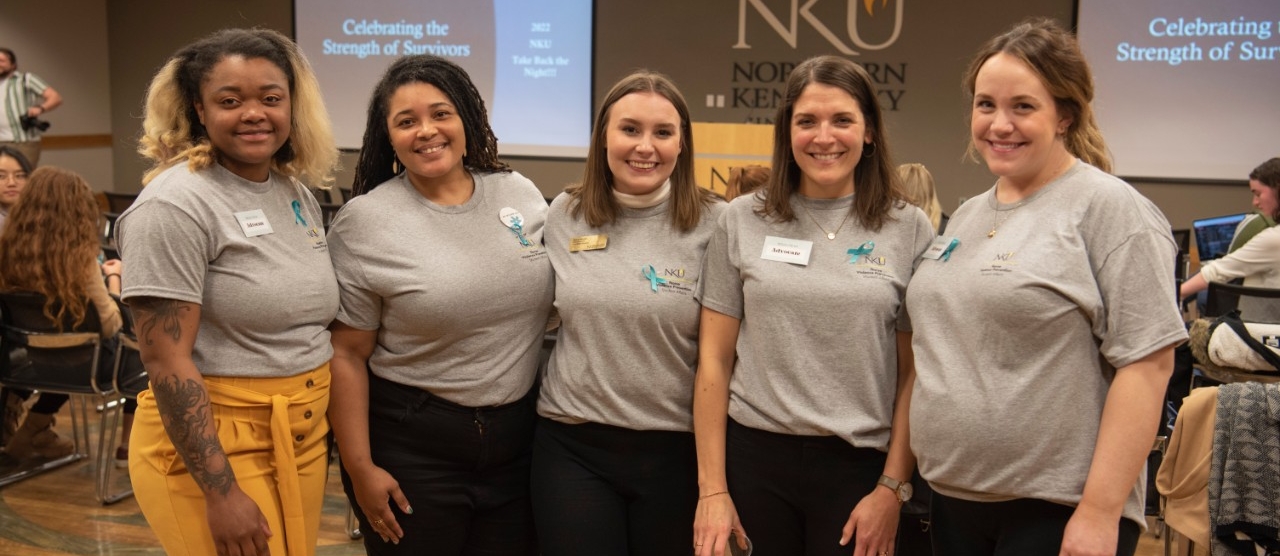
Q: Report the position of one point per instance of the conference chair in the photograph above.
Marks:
(128, 379)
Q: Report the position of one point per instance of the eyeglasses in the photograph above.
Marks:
(17, 177)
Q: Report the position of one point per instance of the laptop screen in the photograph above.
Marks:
(1213, 235)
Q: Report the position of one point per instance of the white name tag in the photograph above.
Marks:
(254, 223)
(781, 249)
(941, 248)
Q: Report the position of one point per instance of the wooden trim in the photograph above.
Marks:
(58, 142)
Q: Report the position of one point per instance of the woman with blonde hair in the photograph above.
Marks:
(918, 189)
(50, 246)
(232, 288)
(1034, 427)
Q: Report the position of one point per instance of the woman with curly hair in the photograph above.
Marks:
(446, 290)
(230, 282)
(50, 246)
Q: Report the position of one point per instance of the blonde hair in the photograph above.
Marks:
(918, 189)
(1053, 54)
(171, 128)
(51, 238)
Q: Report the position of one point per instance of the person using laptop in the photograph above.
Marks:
(1257, 261)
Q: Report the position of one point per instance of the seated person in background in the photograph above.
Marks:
(14, 169)
(50, 246)
(744, 180)
(918, 189)
(1258, 260)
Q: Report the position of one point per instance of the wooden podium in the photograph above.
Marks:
(718, 147)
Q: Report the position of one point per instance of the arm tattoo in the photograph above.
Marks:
(184, 409)
(162, 313)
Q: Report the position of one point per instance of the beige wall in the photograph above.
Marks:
(101, 54)
(65, 43)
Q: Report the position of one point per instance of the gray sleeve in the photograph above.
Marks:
(359, 307)
(720, 288)
(924, 235)
(165, 252)
(1137, 286)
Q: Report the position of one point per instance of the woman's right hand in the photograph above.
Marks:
(375, 490)
(716, 517)
(237, 524)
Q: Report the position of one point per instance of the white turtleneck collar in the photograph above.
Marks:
(650, 199)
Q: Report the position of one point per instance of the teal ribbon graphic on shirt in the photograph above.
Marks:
(297, 213)
(653, 277)
(946, 253)
(517, 228)
(864, 249)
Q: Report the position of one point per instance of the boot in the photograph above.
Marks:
(13, 409)
(36, 438)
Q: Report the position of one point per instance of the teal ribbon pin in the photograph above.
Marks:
(654, 279)
(946, 253)
(297, 213)
(864, 249)
(518, 228)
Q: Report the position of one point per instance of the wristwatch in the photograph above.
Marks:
(900, 488)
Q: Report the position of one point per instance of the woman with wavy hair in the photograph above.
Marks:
(1034, 426)
(50, 246)
(445, 292)
(232, 288)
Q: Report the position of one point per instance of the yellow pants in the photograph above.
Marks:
(273, 432)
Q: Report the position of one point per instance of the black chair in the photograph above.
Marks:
(328, 212)
(128, 379)
(346, 193)
(66, 362)
(119, 202)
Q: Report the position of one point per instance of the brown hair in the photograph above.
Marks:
(593, 199)
(50, 240)
(744, 180)
(1054, 55)
(874, 180)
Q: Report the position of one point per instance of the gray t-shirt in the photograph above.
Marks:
(459, 302)
(627, 346)
(1017, 336)
(252, 255)
(817, 347)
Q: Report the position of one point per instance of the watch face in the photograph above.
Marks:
(905, 491)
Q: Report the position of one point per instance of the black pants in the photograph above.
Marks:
(794, 493)
(465, 472)
(1022, 527)
(600, 490)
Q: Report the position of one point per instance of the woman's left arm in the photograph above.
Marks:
(1130, 419)
(875, 519)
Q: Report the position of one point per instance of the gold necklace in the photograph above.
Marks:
(830, 235)
(1002, 215)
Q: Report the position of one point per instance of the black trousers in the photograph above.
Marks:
(794, 493)
(600, 490)
(1022, 527)
(464, 470)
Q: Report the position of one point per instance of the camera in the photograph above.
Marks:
(29, 122)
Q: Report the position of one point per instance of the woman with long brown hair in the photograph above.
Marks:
(50, 246)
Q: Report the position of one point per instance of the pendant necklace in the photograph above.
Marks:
(830, 235)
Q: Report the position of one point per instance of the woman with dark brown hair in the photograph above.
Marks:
(802, 437)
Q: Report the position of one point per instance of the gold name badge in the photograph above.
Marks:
(588, 243)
